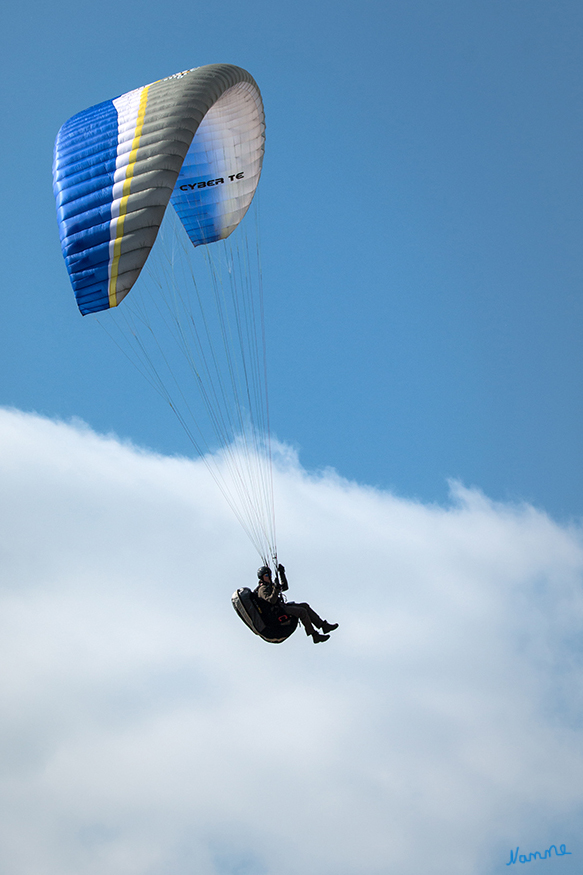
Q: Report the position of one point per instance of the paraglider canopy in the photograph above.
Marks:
(195, 139)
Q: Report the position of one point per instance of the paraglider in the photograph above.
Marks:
(273, 619)
(194, 140)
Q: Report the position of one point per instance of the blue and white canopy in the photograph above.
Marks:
(195, 139)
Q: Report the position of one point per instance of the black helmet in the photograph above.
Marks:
(263, 570)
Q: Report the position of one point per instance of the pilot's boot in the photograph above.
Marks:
(328, 627)
(319, 638)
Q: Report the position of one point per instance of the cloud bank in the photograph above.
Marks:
(144, 730)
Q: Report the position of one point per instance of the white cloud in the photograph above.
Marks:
(144, 730)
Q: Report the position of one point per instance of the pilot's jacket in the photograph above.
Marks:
(269, 592)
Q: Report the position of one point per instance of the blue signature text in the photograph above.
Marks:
(514, 858)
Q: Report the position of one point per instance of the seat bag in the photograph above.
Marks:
(270, 622)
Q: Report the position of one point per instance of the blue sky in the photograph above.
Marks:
(420, 209)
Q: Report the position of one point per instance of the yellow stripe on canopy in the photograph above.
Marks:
(126, 193)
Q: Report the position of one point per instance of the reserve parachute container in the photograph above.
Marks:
(194, 141)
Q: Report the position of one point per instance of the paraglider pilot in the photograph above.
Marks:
(270, 591)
